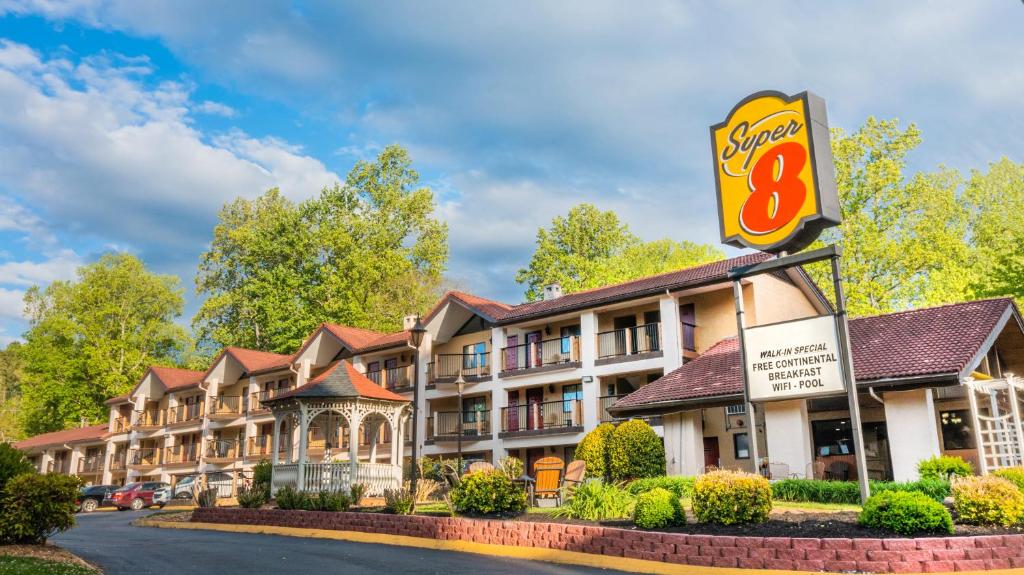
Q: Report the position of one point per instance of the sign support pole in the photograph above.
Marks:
(737, 291)
(851, 381)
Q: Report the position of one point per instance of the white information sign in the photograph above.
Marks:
(793, 359)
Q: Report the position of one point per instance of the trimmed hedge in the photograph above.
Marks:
(488, 493)
(12, 463)
(987, 501)
(730, 497)
(848, 492)
(635, 451)
(944, 467)
(593, 450)
(906, 513)
(677, 484)
(658, 508)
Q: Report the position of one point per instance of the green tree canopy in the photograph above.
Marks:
(589, 248)
(10, 391)
(994, 202)
(365, 254)
(92, 338)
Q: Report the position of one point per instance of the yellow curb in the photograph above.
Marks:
(511, 551)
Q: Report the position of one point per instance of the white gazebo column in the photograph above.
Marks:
(303, 441)
(372, 434)
(913, 430)
(684, 443)
(353, 446)
(788, 435)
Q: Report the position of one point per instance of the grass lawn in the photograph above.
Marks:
(809, 506)
(10, 565)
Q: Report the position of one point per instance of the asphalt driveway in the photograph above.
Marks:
(108, 540)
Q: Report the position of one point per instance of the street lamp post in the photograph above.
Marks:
(416, 337)
(461, 383)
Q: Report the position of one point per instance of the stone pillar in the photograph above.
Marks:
(671, 336)
(684, 443)
(592, 390)
(913, 430)
(788, 435)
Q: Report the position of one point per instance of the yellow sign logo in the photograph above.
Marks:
(774, 173)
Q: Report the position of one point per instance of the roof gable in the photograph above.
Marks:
(343, 381)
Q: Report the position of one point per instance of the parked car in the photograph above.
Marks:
(185, 488)
(162, 496)
(136, 495)
(93, 497)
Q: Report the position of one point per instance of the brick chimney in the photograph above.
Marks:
(552, 291)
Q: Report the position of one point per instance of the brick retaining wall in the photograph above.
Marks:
(921, 555)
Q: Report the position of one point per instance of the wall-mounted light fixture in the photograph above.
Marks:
(587, 379)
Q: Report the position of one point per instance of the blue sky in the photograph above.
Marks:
(125, 125)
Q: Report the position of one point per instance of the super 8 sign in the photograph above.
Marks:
(773, 172)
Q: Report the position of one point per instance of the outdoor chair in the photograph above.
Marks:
(818, 469)
(547, 475)
(479, 466)
(778, 470)
(839, 471)
(574, 474)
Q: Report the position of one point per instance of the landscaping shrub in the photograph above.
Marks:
(987, 501)
(488, 493)
(1014, 475)
(326, 500)
(906, 513)
(252, 497)
(635, 451)
(681, 486)
(593, 449)
(937, 489)
(34, 507)
(596, 500)
(207, 497)
(289, 498)
(730, 497)
(848, 492)
(437, 469)
(12, 462)
(944, 467)
(512, 467)
(261, 473)
(399, 501)
(658, 508)
(356, 492)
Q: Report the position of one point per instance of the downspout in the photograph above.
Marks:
(875, 396)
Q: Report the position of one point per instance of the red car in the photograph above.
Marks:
(136, 495)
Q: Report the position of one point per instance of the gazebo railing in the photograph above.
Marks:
(314, 477)
(325, 476)
(378, 476)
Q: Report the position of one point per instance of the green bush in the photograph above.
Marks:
(512, 467)
(681, 486)
(596, 500)
(848, 492)
(326, 500)
(944, 467)
(356, 492)
(937, 489)
(12, 463)
(1014, 475)
(730, 497)
(593, 449)
(33, 507)
(658, 508)
(987, 501)
(906, 513)
(252, 497)
(261, 474)
(635, 451)
(289, 498)
(399, 501)
(488, 493)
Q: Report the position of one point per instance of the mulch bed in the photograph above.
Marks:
(47, 552)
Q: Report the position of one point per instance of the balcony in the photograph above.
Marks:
(539, 356)
(397, 379)
(185, 454)
(145, 457)
(226, 407)
(58, 466)
(121, 425)
(444, 425)
(223, 451)
(547, 418)
(609, 400)
(446, 367)
(259, 447)
(183, 415)
(149, 420)
(631, 343)
(90, 465)
(256, 399)
(119, 461)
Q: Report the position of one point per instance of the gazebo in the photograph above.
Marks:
(338, 400)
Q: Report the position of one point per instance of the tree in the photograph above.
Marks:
(10, 391)
(994, 202)
(363, 254)
(92, 338)
(902, 239)
(589, 248)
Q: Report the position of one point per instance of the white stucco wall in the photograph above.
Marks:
(913, 431)
(684, 443)
(788, 432)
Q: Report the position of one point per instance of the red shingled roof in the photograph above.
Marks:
(386, 341)
(352, 337)
(176, 378)
(489, 309)
(75, 435)
(253, 360)
(940, 340)
(340, 380)
(679, 279)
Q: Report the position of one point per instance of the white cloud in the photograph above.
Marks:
(216, 109)
(60, 265)
(11, 304)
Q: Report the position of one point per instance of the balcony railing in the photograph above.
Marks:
(259, 447)
(223, 449)
(226, 406)
(119, 461)
(58, 466)
(182, 454)
(544, 353)
(180, 414)
(256, 399)
(629, 341)
(149, 419)
(448, 366)
(548, 417)
(393, 377)
(145, 456)
(121, 425)
(476, 424)
(90, 464)
(609, 400)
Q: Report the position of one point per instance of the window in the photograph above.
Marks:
(569, 393)
(741, 445)
(567, 333)
(474, 355)
(956, 429)
(471, 408)
(832, 437)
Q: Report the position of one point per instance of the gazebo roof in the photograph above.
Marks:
(339, 381)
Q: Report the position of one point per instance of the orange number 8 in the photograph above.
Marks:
(774, 201)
